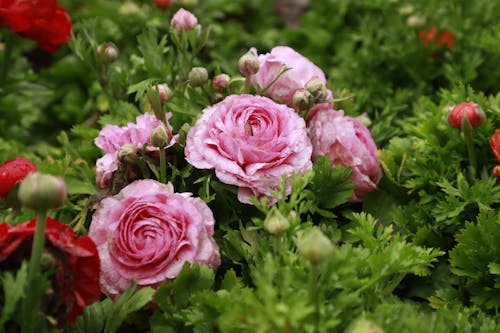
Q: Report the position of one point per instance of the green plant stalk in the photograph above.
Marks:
(467, 129)
(163, 166)
(7, 53)
(38, 242)
(314, 294)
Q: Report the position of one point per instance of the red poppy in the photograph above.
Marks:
(76, 281)
(41, 20)
(495, 144)
(446, 37)
(12, 172)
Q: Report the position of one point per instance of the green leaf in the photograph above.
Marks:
(13, 288)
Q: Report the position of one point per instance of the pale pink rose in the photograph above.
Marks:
(146, 233)
(111, 138)
(347, 142)
(183, 20)
(251, 142)
(300, 71)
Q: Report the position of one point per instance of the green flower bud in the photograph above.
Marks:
(248, 64)
(197, 76)
(163, 91)
(128, 153)
(317, 88)
(110, 52)
(315, 246)
(275, 222)
(41, 191)
(160, 137)
(302, 100)
(363, 326)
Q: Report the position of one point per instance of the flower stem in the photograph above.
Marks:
(38, 242)
(6, 61)
(313, 293)
(163, 166)
(467, 129)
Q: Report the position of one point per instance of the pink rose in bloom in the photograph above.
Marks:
(183, 20)
(146, 233)
(251, 142)
(111, 138)
(346, 141)
(301, 70)
(472, 110)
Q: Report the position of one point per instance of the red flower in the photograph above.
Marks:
(41, 20)
(163, 3)
(76, 281)
(495, 144)
(446, 38)
(12, 172)
(472, 110)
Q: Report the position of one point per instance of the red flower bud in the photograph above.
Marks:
(163, 3)
(495, 144)
(221, 82)
(472, 110)
(110, 52)
(12, 172)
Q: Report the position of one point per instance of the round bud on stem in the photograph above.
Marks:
(110, 52)
(40, 191)
(363, 326)
(248, 64)
(275, 223)
(302, 100)
(471, 110)
(315, 246)
(317, 89)
(160, 137)
(183, 20)
(128, 153)
(197, 76)
(163, 91)
(221, 82)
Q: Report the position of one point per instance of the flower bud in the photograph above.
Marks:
(363, 326)
(221, 82)
(471, 110)
(197, 76)
(365, 119)
(160, 137)
(275, 222)
(128, 8)
(496, 171)
(495, 144)
(317, 88)
(415, 20)
(40, 191)
(315, 246)
(13, 172)
(163, 91)
(183, 20)
(302, 100)
(163, 3)
(406, 10)
(248, 64)
(128, 153)
(110, 52)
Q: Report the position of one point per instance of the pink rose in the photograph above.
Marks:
(346, 141)
(146, 233)
(301, 70)
(111, 138)
(183, 20)
(251, 142)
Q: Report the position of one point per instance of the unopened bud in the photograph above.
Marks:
(302, 100)
(197, 76)
(275, 222)
(128, 153)
(317, 88)
(365, 119)
(163, 91)
(471, 110)
(110, 52)
(496, 171)
(128, 8)
(315, 246)
(40, 191)
(248, 64)
(406, 10)
(183, 20)
(415, 20)
(221, 82)
(363, 326)
(163, 3)
(160, 137)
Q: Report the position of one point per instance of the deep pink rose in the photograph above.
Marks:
(251, 142)
(346, 141)
(301, 70)
(183, 20)
(146, 233)
(111, 138)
